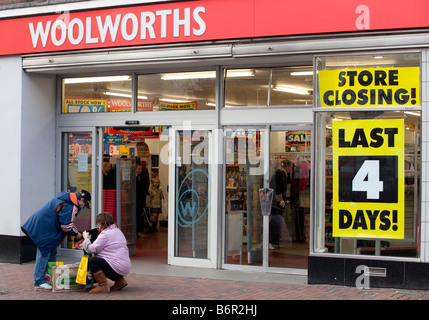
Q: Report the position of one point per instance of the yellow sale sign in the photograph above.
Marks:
(80, 105)
(370, 87)
(368, 178)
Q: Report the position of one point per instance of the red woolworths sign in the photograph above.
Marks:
(202, 20)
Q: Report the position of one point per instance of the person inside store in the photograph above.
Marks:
(108, 175)
(156, 198)
(139, 201)
(280, 219)
(301, 176)
(184, 186)
(49, 225)
(112, 259)
(184, 183)
(142, 185)
(143, 216)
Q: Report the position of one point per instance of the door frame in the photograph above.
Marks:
(265, 243)
(94, 174)
(212, 248)
(299, 127)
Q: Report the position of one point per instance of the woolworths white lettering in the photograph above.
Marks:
(89, 38)
(93, 30)
(147, 21)
(40, 32)
(108, 26)
(184, 22)
(134, 26)
(80, 32)
(163, 14)
(121, 103)
(61, 26)
(199, 21)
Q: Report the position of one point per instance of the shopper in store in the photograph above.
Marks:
(184, 183)
(156, 197)
(280, 219)
(112, 259)
(301, 175)
(109, 181)
(49, 225)
(140, 200)
(145, 185)
(142, 192)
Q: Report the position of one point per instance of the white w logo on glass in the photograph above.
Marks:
(188, 204)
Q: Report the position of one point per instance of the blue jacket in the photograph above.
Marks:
(48, 226)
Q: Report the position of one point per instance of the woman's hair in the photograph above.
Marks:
(105, 220)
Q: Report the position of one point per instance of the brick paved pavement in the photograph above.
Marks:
(16, 284)
(167, 294)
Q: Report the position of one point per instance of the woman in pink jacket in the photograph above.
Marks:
(112, 259)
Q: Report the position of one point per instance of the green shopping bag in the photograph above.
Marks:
(48, 273)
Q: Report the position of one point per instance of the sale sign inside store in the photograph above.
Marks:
(368, 178)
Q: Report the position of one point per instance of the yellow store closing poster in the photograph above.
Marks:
(368, 178)
(370, 87)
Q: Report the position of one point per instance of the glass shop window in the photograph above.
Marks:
(283, 86)
(97, 94)
(177, 91)
(368, 161)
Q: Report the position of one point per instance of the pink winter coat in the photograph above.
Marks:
(111, 245)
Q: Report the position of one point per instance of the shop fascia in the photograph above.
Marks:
(198, 20)
(128, 26)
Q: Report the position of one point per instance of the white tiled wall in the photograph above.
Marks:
(425, 158)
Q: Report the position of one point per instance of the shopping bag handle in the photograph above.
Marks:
(86, 251)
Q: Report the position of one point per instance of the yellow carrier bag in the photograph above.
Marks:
(83, 268)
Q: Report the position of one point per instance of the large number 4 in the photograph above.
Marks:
(367, 179)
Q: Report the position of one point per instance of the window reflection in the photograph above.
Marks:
(189, 90)
(177, 91)
(292, 86)
(97, 94)
(246, 89)
(156, 92)
(269, 86)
